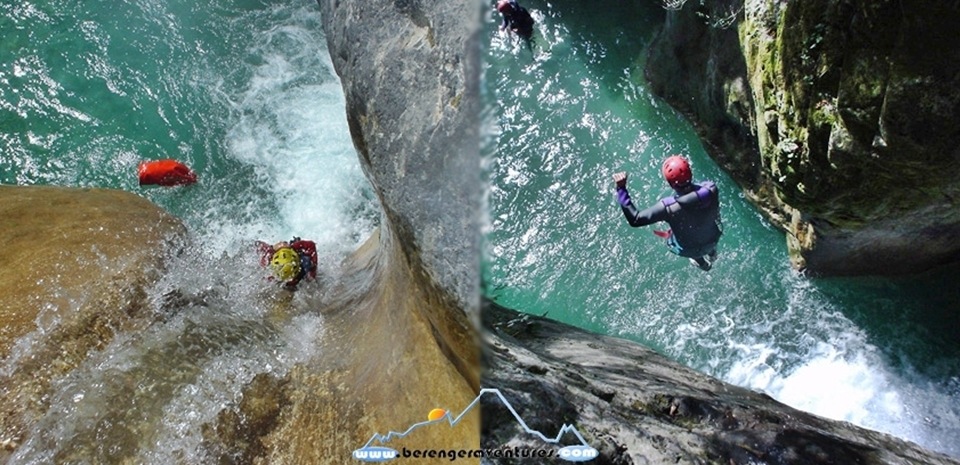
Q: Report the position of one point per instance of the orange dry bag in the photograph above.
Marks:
(165, 173)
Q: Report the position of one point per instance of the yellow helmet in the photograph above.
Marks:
(285, 264)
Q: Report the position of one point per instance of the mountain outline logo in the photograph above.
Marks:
(380, 453)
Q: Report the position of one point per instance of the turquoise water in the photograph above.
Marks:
(880, 353)
(241, 91)
(244, 93)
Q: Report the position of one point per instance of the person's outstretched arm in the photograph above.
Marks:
(265, 251)
(633, 215)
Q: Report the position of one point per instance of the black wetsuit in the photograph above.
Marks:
(694, 218)
(518, 20)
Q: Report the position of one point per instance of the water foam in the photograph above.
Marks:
(290, 126)
(827, 366)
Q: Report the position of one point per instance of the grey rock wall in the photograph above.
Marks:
(636, 406)
(410, 74)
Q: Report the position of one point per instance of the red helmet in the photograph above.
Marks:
(504, 6)
(676, 170)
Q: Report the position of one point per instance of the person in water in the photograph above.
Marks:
(516, 18)
(290, 262)
(693, 212)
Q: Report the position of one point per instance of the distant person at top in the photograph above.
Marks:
(693, 213)
(290, 262)
(515, 18)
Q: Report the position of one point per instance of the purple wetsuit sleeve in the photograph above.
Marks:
(623, 197)
(637, 217)
(703, 194)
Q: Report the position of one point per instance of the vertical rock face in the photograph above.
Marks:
(410, 77)
(409, 71)
(850, 142)
(696, 64)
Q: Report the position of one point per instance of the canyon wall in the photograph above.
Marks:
(837, 118)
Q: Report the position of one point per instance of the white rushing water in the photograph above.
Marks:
(283, 165)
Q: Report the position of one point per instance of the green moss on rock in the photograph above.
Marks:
(854, 127)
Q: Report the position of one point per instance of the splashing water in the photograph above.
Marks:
(244, 93)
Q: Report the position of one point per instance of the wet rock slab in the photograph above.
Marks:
(76, 263)
(636, 406)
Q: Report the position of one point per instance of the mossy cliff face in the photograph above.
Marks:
(853, 146)
(76, 264)
(698, 68)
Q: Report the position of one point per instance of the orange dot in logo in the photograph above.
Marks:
(436, 414)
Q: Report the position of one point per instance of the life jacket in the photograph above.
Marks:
(307, 250)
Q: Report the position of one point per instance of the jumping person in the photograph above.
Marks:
(517, 19)
(290, 262)
(693, 212)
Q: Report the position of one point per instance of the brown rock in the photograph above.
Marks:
(76, 263)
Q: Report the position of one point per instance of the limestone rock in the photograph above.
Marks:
(410, 74)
